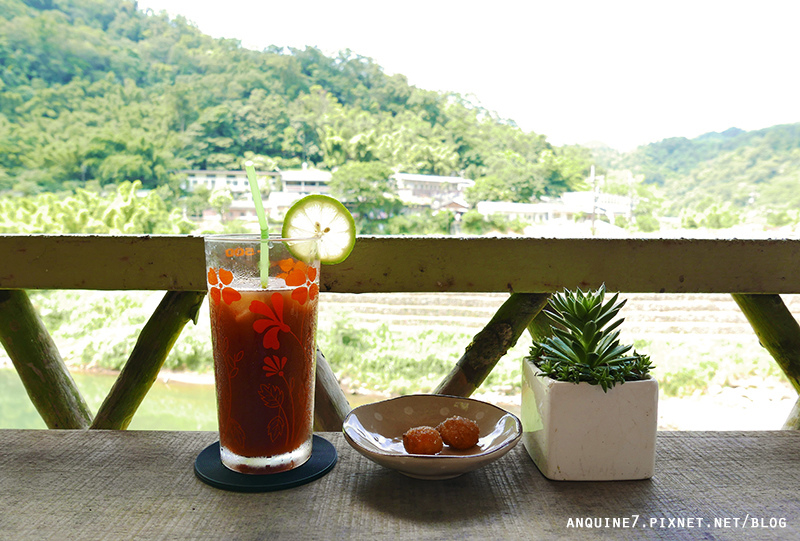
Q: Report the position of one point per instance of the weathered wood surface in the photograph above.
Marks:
(39, 364)
(140, 485)
(387, 264)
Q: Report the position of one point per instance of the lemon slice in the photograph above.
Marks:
(327, 219)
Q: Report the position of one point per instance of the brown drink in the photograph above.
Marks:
(264, 359)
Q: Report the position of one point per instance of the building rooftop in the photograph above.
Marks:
(414, 177)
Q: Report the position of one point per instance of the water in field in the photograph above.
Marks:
(168, 406)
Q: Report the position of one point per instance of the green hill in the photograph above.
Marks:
(95, 91)
(748, 170)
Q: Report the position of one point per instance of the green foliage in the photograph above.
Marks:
(781, 218)
(713, 217)
(96, 90)
(425, 222)
(685, 380)
(647, 223)
(365, 188)
(387, 361)
(585, 344)
(488, 188)
(475, 223)
(755, 170)
(122, 211)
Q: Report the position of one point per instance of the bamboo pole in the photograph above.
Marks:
(330, 403)
(152, 347)
(793, 420)
(777, 331)
(491, 343)
(540, 326)
(39, 364)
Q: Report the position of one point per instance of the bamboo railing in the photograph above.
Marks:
(755, 272)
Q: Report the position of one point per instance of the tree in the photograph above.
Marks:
(366, 189)
(488, 188)
(197, 201)
(221, 200)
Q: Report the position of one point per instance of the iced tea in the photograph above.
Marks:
(264, 359)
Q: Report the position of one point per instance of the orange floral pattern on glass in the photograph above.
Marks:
(273, 366)
(231, 363)
(273, 324)
(220, 280)
(300, 276)
(273, 397)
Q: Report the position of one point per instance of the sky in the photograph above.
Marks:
(621, 72)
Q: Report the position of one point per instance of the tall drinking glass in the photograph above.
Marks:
(263, 332)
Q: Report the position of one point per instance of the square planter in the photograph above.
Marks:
(577, 432)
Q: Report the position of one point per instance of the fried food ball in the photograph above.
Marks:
(459, 432)
(422, 440)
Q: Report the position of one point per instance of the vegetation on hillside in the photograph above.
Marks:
(714, 179)
(96, 93)
(95, 90)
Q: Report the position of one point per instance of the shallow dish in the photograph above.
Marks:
(376, 431)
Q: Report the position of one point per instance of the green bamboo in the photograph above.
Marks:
(540, 326)
(793, 420)
(492, 342)
(330, 403)
(777, 331)
(39, 364)
(152, 347)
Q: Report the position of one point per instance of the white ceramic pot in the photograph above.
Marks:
(577, 432)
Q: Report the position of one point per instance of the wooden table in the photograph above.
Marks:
(141, 485)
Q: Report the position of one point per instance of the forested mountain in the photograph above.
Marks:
(98, 91)
(757, 170)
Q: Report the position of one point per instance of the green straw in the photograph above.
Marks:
(262, 222)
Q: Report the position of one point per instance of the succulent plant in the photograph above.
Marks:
(585, 344)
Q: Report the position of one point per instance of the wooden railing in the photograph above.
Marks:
(755, 272)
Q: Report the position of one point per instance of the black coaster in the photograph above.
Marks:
(209, 469)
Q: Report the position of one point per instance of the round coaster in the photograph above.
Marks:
(209, 469)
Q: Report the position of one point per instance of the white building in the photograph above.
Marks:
(430, 185)
(568, 207)
(604, 204)
(215, 179)
(430, 191)
(306, 180)
(527, 212)
(294, 184)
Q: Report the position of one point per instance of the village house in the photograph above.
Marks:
(218, 179)
(431, 191)
(416, 191)
(571, 206)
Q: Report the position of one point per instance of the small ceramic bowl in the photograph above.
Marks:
(376, 431)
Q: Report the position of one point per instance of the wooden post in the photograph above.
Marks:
(152, 347)
(330, 403)
(540, 326)
(793, 420)
(491, 343)
(39, 365)
(777, 331)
